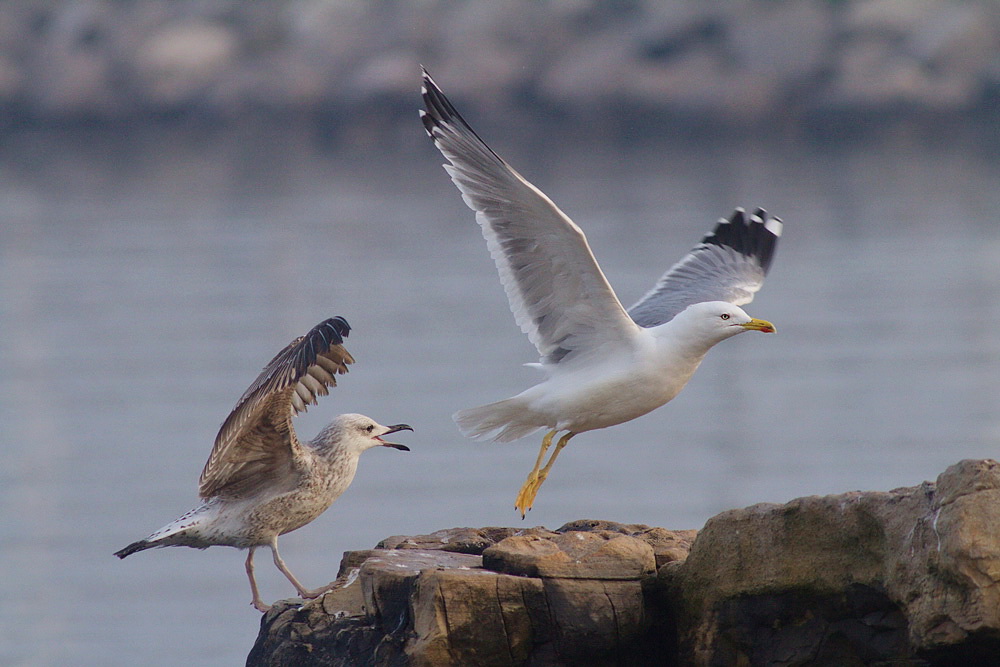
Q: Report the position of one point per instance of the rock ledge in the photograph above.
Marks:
(906, 577)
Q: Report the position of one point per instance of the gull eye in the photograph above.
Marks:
(370, 428)
(724, 316)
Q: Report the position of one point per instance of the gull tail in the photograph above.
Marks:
(141, 545)
(181, 532)
(505, 420)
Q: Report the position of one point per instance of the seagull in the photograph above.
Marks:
(603, 365)
(260, 481)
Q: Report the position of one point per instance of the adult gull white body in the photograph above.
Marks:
(260, 481)
(603, 364)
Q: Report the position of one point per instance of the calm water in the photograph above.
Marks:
(145, 280)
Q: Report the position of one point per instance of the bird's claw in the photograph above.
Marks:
(526, 496)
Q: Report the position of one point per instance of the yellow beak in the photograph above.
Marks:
(759, 325)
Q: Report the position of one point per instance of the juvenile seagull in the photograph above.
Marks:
(260, 481)
(603, 365)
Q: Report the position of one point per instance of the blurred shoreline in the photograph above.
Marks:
(820, 66)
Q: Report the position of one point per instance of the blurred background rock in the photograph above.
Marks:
(747, 63)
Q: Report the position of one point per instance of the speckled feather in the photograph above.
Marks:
(257, 441)
(260, 482)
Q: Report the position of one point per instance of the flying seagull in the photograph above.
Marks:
(260, 481)
(603, 364)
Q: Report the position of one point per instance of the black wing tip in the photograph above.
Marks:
(429, 123)
(442, 121)
(437, 108)
(754, 235)
(759, 216)
(301, 353)
(338, 325)
(320, 340)
(440, 117)
(427, 85)
(425, 76)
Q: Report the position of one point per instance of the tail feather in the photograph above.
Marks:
(179, 532)
(141, 545)
(506, 420)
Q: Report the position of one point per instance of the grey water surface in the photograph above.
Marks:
(145, 280)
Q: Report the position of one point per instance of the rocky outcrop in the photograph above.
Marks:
(740, 62)
(494, 596)
(906, 577)
(855, 578)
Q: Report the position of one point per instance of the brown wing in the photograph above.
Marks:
(257, 443)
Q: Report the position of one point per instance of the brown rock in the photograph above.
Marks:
(412, 606)
(573, 555)
(388, 578)
(907, 577)
(475, 618)
(595, 617)
(459, 540)
(848, 579)
(668, 545)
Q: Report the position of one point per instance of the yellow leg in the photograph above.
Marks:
(522, 502)
(544, 472)
(526, 496)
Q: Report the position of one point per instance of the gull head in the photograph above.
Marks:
(356, 433)
(717, 320)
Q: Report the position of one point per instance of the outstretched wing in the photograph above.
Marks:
(257, 442)
(557, 292)
(728, 265)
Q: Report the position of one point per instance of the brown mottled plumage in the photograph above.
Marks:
(260, 481)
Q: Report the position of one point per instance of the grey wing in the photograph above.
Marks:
(257, 442)
(728, 265)
(557, 292)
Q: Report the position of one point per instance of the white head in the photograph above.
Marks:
(715, 321)
(353, 434)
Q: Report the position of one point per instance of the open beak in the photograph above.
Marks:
(394, 429)
(759, 325)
